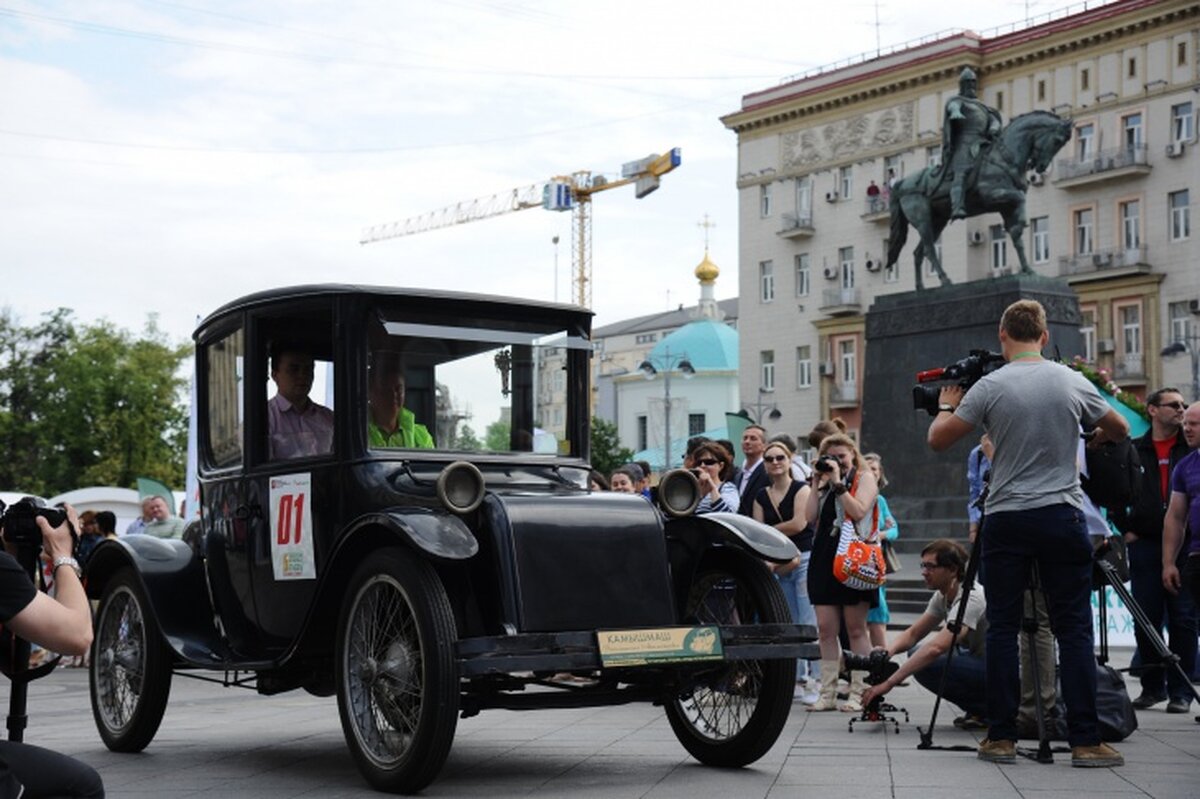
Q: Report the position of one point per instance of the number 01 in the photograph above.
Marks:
(290, 505)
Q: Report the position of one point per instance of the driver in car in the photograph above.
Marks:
(390, 423)
(297, 426)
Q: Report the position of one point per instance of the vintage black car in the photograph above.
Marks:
(379, 550)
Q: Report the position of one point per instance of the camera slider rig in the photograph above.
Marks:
(878, 667)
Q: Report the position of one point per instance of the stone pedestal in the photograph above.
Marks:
(917, 330)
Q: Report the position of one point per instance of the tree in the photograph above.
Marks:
(498, 436)
(89, 405)
(607, 452)
(467, 439)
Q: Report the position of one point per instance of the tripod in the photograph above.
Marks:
(1029, 626)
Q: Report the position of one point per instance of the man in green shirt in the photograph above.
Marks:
(390, 423)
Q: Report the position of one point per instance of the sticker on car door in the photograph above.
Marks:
(290, 527)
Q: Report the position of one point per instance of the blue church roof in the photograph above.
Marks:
(709, 345)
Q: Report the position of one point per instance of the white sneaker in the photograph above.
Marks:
(808, 693)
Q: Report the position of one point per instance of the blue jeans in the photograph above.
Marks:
(795, 590)
(1055, 537)
(966, 682)
(1177, 611)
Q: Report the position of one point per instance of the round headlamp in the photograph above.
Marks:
(460, 487)
(679, 492)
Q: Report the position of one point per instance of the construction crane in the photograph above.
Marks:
(562, 193)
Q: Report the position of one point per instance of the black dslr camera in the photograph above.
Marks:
(19, 521)
(825, 463)
(878, 665)
(967, 372)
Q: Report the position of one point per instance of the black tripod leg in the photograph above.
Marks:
(1031, 625)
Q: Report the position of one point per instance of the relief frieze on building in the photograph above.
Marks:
(845, 138)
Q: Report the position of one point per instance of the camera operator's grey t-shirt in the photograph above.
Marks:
(1032, 410)
(974, 619)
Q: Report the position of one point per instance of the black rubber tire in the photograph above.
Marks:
(397, 680)
(130, 674)
(732, 716)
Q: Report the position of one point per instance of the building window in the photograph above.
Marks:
(846, 266)
(1180, 314)
(1181, 221)
(893, 168)
(803, 275)
(1040, 225)
(804, 367)
(804, 199)
(696, 424)
(891, 273)
(999, 247)
(1131, 224)
(1087, 329)
(1085, 136)
(645, 338)
(1132, 70)
(847, 362)
(642, 440)
(1084, 80)
(764, 200)
(1181, 54)
(1131, 127)
(1000, 101)
(1041, 90)
(766, 280)
(1131, 329)
(766, 360)
(1083, 231)
(933, 157)
(1181, 122)
(845, 182)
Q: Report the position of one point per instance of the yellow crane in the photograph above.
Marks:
(561, 193)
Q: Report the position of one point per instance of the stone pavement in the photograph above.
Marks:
(227, 742)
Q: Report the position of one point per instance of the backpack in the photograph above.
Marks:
(1114, 480)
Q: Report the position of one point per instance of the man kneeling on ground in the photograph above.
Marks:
(943, 563)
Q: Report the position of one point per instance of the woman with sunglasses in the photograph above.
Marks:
(711, 465)
(781, 504)
(844, 488)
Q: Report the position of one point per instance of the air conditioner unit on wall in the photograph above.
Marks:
(976, 237)
(1106, 345)
(831, 196)
(1102, 259)
(1036, 178)
(830, 273)
(1194, 306)
(874, 265)
(827, 369)
(1175, 149)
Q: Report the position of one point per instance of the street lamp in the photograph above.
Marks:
(761, 406)
(1192, 345)
(667, 363)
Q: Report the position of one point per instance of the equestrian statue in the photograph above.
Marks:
(983, 169)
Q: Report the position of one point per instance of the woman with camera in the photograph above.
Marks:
(711, 465)
(781, 504)
(844, 489)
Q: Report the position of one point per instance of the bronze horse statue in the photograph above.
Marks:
(1029, 141)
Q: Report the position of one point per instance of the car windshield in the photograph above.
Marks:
(472, 385)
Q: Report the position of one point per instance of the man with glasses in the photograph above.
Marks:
(943, 563)
(1159, 450)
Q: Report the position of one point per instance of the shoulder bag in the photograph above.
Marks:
(859, 562)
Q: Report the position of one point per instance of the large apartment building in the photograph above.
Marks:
(1112, 217)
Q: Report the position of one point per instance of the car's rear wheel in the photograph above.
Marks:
(397, 682)
(130, 675)
(731, 715)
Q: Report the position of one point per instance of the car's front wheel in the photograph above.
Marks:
(397, 682)
(130, 674)
(731, 715)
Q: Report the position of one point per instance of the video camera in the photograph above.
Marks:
(19, 521)
(878, 665)
(967, 372)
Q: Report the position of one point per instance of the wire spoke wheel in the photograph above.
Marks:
(130, 675)
(731, 715)
(397, 684)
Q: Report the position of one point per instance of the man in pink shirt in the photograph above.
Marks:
(298, 426)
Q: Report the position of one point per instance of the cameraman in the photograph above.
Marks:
(943, 563)
(1032, 410)
(62, 624)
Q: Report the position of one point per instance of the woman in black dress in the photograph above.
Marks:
(843, 488)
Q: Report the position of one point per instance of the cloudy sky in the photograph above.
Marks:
(166, 157)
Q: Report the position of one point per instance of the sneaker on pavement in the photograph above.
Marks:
(1145, 700)
(998, 751)
(1098, 756)
(1178, 706)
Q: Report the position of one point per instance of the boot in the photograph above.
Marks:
(858, 685)
(827, 699)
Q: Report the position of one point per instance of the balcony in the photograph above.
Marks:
(840, 302)
(1130, 367)
(797, 226)
(875, 209)
(1104, 264)
(843, 395)
(1106, 165)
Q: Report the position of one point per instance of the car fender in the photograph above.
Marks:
(172, 577)
(434, 532)
(741, 531)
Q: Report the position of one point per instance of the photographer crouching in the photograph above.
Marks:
(943, 564)
(1032, 409)
(62, 624)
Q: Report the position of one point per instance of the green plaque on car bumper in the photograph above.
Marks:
(658, 645)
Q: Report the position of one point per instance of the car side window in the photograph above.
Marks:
(226, 370)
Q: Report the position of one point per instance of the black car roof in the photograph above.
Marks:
(319, 290)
